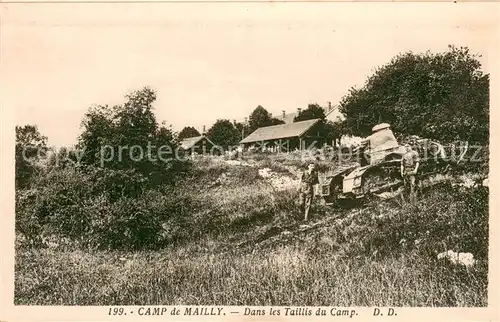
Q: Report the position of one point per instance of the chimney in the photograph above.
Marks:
(203, 133)
(246, 120)
(283, 114)
(234, 121)
(298, 110)
(329, 106)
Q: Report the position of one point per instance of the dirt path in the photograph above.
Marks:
(295, 231)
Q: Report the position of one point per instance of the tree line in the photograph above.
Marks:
(226, 133)
(442, 96)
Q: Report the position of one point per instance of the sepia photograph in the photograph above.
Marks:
(293, 155)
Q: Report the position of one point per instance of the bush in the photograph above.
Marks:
(447, 219)
(113, 209)
(96, 208)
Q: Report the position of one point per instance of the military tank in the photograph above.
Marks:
(377, 167)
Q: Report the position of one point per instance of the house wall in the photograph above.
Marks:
(287, 145)
(313, 138)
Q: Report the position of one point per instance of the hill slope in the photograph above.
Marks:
(238, 239)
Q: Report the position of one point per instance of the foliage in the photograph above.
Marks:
(94, 208)
(260, 117)
(239, 233)
(128, 137)
(313, 111)
(442, 96)
(31, 147)
(275, 121)
(332, 131)
(103, 200)
(188, 132)
(448, 218)
(63, 158)
(223, 133)
(242, 129)
(100, 208)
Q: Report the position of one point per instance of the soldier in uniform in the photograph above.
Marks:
(308, 179)
(409, 167)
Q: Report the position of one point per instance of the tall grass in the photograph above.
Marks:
(283, 276)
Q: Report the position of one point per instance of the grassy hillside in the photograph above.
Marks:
(228, 235)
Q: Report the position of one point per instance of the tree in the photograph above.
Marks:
(242, 129)
(275, 121)
(313, 111)
(99, 130)
(63, 158)
(128, 137)
(442, 96)
(332, 132)
(223, 133)
(188, 132)
(260, 117)
(31, 146)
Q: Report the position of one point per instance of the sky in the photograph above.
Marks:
(213, 60)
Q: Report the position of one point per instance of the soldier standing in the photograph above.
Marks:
(308, 179)
(409, 167)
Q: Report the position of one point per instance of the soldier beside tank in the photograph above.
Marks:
(410, 163)
(308, 180)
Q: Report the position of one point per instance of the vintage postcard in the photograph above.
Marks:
(249, 161)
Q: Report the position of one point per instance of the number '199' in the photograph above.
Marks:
(116, 311)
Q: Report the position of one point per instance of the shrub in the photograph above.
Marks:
(96, 208)
(447, 219)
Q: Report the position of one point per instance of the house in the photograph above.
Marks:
(332, 114)
(198, 144)
(286, 137)
(287, 117)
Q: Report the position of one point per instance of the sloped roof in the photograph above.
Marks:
(280, 131)
(188, 143)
